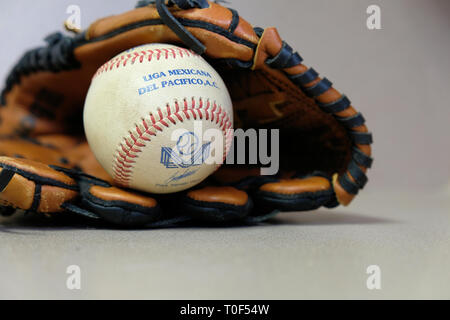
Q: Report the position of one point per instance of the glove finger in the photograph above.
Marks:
(284, 192)
(217, 204)
(33, 186)
(297, 194)
(98, 199)
(120, 207)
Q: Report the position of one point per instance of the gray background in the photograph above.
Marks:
(398, 77)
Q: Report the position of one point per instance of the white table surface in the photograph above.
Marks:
(322, 254)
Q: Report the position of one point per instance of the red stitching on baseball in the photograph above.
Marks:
(127, 151)
(122, 60)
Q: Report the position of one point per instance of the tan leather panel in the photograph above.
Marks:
(299, 69)
(222, 17)
(20, 119)
(329, 96)
(227, 195)
(62, 142)
(297, 186)
(215, 14)
(269, 46)
(53, 197)
(342, 196)
(38, 169)
(77, 154)
(108, 24)
(19, 193)
(21, 148)
(367, 149)
(97, 53)
(349, 112)
(115, 194)
(221, 47)
(245, 30)
(217, 46)
(23, 96)
(277, 77)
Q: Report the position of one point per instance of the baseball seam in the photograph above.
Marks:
(138, 138)
(144, 56)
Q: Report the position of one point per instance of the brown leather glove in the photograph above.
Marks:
(46, 165)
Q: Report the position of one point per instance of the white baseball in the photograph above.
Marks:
(135, 105)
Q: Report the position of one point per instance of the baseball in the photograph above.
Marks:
(146, 113)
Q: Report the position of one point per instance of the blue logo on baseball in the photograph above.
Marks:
(189, 152)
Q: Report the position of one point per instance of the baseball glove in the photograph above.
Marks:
(46, 165)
